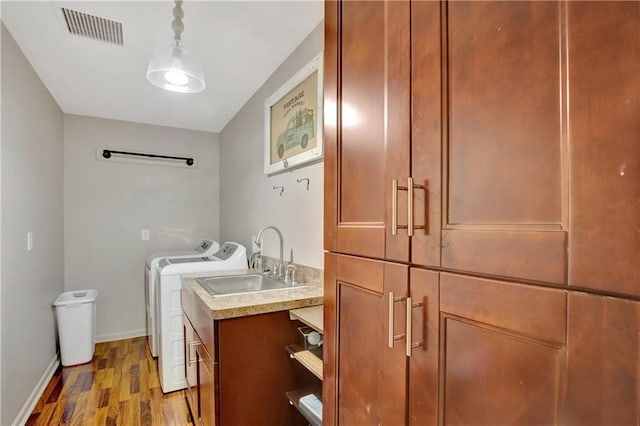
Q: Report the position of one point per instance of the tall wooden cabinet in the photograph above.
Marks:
(482, 161)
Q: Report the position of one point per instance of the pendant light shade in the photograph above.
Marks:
(174, 68)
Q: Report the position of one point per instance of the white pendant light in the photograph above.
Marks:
(175, 68)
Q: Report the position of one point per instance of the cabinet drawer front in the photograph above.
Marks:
(205, 329)
(364, 273)
(201, 321)
(534, 312)
(535, 256)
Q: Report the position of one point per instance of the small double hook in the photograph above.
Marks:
(302, 180)
(279, 188)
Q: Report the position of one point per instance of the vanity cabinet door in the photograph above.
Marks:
(207, 387)
(190, 366)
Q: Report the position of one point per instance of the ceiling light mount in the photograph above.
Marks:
(176, 69)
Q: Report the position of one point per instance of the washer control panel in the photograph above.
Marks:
(226, 251)
(204, 246)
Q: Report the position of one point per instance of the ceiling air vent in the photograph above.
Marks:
(91, 26)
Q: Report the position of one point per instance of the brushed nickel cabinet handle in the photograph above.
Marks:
(394, 207)
(193, 345)
(409, 336)
(410, 206)
(391, 336)
(409, 342)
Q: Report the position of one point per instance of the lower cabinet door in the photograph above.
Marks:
(502, 352)
(423, 362)
(603, 379)
(207, 382)
(370, 388)
(190, 367)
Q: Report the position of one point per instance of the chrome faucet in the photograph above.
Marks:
(280, 267)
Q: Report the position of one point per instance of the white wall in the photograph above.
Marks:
(108, 203)
(31, 193)
(248, 201)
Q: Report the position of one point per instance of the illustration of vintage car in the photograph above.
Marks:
(300, 129)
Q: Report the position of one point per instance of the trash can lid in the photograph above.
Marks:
(76, 297)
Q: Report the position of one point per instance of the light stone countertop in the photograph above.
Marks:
(239, 305)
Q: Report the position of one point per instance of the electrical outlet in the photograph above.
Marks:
(145, 235)
(29, 241)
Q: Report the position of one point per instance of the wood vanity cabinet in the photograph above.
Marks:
(238, 369)
(200, 376)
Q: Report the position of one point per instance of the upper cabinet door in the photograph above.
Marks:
(426, 131)
(505, 141)
(367, 92)
(604, 69)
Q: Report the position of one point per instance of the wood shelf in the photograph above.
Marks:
(294, 399)
(311, 316)
(310, 360)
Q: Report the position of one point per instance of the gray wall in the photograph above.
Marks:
(248, 201)
(108, 203)
(32, 185)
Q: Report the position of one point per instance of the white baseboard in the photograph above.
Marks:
(119, 336)
(29, 405)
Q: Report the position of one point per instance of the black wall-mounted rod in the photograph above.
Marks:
(106, 153)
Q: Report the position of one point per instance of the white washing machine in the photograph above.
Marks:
(230, 257)
(205, 249)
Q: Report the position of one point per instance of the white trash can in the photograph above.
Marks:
(76, 314)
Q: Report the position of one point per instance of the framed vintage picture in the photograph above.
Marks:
(293, 121)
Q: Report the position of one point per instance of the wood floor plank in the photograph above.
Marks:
(120, 386)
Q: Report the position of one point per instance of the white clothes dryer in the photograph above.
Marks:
(205, 249)
(230, 257)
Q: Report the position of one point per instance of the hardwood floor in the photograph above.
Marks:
(120, 386)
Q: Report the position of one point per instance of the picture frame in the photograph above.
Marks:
(293, 121)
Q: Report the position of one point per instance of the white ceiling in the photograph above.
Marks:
(240, 44)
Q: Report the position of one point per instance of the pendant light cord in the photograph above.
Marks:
(177, 25)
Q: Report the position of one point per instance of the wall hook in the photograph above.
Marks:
(279, 188)
(302, 180)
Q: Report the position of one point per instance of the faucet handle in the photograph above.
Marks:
(290, 274)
